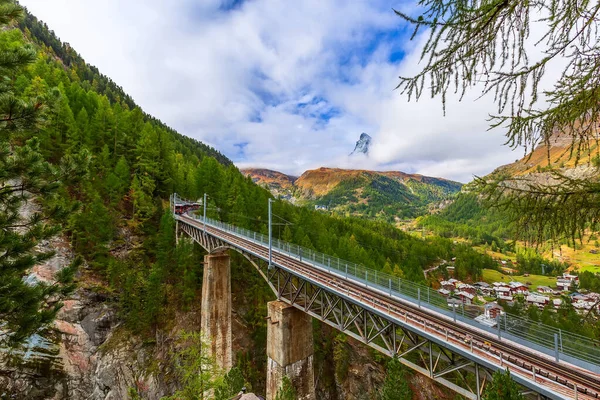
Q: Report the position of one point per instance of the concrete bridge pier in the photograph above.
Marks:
(216, 307)
(289, 350)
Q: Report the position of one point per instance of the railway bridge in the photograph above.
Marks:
(442, 341)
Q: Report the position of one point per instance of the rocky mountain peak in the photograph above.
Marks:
(362, 146)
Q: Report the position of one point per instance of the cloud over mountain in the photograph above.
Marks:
(280, 86)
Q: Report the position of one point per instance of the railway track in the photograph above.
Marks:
(561, 377)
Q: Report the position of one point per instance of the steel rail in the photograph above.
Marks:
(561, 373)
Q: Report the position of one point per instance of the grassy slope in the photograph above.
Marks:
(491, 276)
(383, 195)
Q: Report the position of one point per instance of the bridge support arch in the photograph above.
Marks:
(216, 307)
(394, 324)
(289, 350)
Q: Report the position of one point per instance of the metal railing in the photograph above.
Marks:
(557, 343)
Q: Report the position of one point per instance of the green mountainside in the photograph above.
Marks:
(131, 163)
(467, 217)
(386, 196)
(134, 162)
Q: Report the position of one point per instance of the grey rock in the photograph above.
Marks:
(97, 324)
(362, 146)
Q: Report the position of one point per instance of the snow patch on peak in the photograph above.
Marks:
(362, 146)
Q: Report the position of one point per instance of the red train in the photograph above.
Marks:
(182, 207)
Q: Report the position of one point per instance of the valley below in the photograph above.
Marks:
(139, 263)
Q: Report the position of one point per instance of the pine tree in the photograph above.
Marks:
(474, 44)
(24, 176)
(117, 181)
(197, 370)
(395, 386)
(502, 387)
(232, 384)
(286, 391)
(341, 356)
(142, 189)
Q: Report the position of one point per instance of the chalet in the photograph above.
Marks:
(537, 299)
(482, 285)
(465, 287)
(492, 310)
(556, 303)
(563, 284)
(519, 288)
(447, 285)
(583, 305)
(577, 297)
(545, 289)
(505, 297)
(444, 292)
(465, 297)
(593, 296)
(499, 284)
(486, 291)
(503, 291)
(571, 278)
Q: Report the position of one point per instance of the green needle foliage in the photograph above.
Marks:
(502, 387)
(25, 176)
(286, 391)
(232, 384)
(395, 386)
(198, 372)
(488, 45)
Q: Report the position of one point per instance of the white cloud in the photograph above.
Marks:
(235, 79)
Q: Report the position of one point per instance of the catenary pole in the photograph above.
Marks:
(204, 219)
(270, 234)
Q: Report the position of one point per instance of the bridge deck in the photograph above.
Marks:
(530, 367)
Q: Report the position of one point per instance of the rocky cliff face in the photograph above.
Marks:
(362, 145)
(69, 361)
(82, 356)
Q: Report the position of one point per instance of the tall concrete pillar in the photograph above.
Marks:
(289, 350)
(216, 307)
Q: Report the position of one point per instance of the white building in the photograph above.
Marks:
(466, 297)
(537, 299)
(544, 289)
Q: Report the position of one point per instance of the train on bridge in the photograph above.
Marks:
(182, 207)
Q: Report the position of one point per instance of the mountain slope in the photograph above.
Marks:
(278, 183)
(385, 195)
(467, 217)
(38, 32)
(135, 276)
(555, 154)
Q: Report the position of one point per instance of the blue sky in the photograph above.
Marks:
(282, 85)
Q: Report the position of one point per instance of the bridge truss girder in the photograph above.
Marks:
(208, 242)
(462, 375)
(416, 352)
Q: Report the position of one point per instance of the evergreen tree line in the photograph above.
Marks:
(74, 140)
(466, 217)
(135, 163)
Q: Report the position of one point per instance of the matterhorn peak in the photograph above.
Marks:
(362, 146)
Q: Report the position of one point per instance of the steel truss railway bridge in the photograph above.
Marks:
(397, 318)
